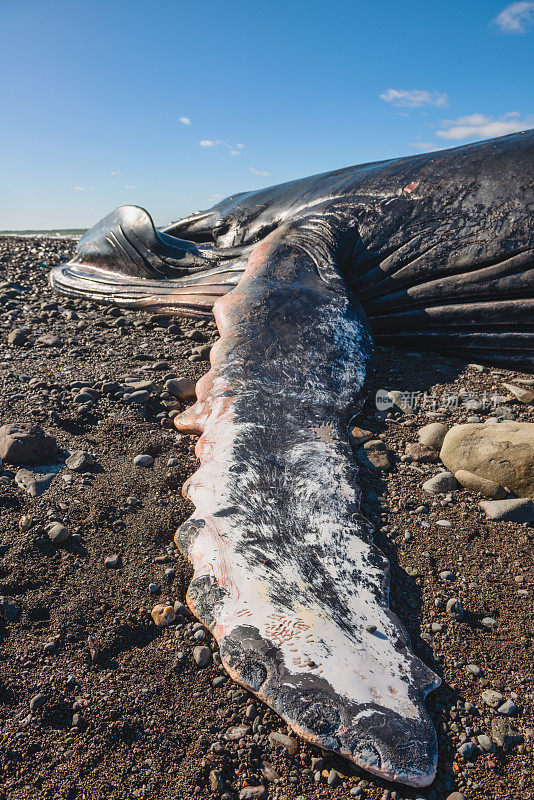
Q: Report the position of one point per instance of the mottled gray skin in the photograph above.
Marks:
(431, 251)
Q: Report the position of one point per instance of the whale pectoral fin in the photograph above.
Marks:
(124, 260)
(285, 575)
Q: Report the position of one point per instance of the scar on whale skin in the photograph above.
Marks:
(285, 575)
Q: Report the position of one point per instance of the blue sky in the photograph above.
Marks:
(173, 105)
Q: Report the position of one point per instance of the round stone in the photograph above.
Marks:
(143, 460)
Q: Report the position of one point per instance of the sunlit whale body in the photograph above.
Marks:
(433, 251)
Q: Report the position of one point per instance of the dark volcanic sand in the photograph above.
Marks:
(148, 719)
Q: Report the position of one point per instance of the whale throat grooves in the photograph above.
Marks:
(285, 572)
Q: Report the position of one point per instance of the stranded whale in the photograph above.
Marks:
(432, 251)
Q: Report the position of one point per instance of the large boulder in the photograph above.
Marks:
(503, 453)
(24, 443)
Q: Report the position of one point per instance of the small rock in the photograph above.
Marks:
(18, 336)
(455, 796)
(467, 750)
(153, 588)
(32, 483)
(236, 732)
(287, 742)
(181, 388)
(525, 396)
(79, 461)
(503, 733)
(492, 698)
(137, 398)
(269, 773)
(23, 443)
(518, 510)
(433, 435)
(446, 575)
(454, 608)
(78, 721)
(441, 483)
(422, 452)
(58, 533)
(508, 708)
(201, 655)
(163, 615)
(253, 793)
(37, 701)
(478, 485)
(488, 622)
(332, 778)
(485, 742)
(48, 340)
(474, 669)
(360, 436)
(143, 460)
(216, 781)
(374, 453)
(112, 561)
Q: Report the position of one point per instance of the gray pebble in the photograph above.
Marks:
(79, 461)
(474, 669)
(441, 483)
(518, 510)
(485, 742)
(492, 698)
(143, 460)
(467, 750)
(37, 701)
(508, 708)
(201, 655)
(58, 533)
(454, 608)
(137, 398)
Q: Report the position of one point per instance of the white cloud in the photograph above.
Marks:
(131, 187)
(233, 149)
(114, 172)
(259, 171)
(185, 120)
(480, 126)
(79, 188)
(516, 17)
(413, 98)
